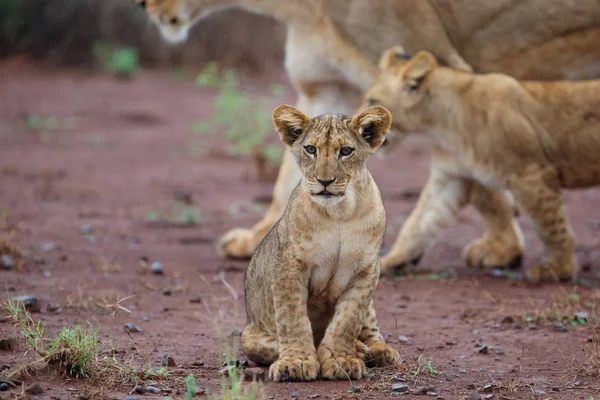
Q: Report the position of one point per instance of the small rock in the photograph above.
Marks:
(423, 390)
(3, 387)
(462, 371)
(432, 394)
(34, 389)
(196, 300)
(488, 388)
(198, 364)
(168, 361)
(399, 388)
(53, 308)
(7, 344)
(257, 374)
(507, 320)
(539, 392)
(399, 379)
(583, 315)
(157, 268)
(488, 396)
(47, 247)
(133, 328)
(560, 328)
(355, 389)
(471, 386)
(152, 389)
(86, 229)
(475, 331)
(7, 262)
(483, 349)
(30, 302)
(403, 339)
(555, 389)
(131, 398)
(578, 383)
(474, 396)
(314, 396)
(146, 318)
(296, 394)
(47, 274)
(140, 389)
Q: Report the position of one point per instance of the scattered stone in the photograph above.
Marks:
(47, 247)
(131, 398)
(314, 396)
(47, 274)
(403, 339)
(7, 344)
(583, 315)
(132, 328)
(488, 388)
(4, 367)
(34, 389)
(555, 389)
(140, 389)
(450, 343)
(475, 331)
(399, 379)
(53, 308)
(198, 364)
(578, 383)
(30, 302)
(296, 394)
(483, 349)
(423, 390)
(560, 328)
(157, 268)
(471, 386)
(355, 389)
(474, 396)
(257, 374)
(86, 229)
(152, 389)
(146, 318)
(168, 361)
(507, 320)
(196, 300)
(237, 332)
(399, 388)
(7, 262)
(462, 371)
(488, 396)
(432, 394)
(3, 387)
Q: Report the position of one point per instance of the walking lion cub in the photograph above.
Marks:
(494, 137)
(310, 282)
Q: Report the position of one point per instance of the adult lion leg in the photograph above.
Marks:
(502, 245)
(259, 346)
(538, 191)
(377, 352)
(442, 198)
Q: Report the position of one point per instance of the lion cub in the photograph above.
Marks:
(310, 282)
(494, 137)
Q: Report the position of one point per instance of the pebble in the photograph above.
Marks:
(168, 361)
(296, 394)
(196, 300)
(355, 389)
(34, 389)
(560, 328)
(399, 379)
(140, 389)
(7, 262)
(50, 247)
(133, 328)
(474, 396)
(488, 388)
(423, 390)
(237, 332)
(3, 387)
(48, 274)
(7, 344)
(539, 392)
(404, 339)
(152, 389)
(314, 396)
(483, 349)
(131, 398)
(86, 229)
(30, 302)
(462, 371)
(257, 374)
(157, 268)
(584, 315)
(399, 388)
(432, 394)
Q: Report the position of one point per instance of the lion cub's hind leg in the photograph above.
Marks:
(378, 353)
(259, 346)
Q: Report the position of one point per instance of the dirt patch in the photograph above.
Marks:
(78, 200)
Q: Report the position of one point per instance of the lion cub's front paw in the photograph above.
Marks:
(381, 354)
(483, 253)
(237, 243)
(341, 364)
(295, 366)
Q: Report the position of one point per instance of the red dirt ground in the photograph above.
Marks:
(122, 150)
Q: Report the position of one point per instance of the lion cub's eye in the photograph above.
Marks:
(311, 150)
(174, 21)
(346, 151)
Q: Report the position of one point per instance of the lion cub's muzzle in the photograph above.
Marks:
(327, 188)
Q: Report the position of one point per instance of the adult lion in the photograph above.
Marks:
(330, 68)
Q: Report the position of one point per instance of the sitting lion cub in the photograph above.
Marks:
(494, 137)
(310, 282)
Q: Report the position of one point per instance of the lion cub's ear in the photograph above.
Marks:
(373, 124)
(394, 57)
(290, 122)
(417, 69)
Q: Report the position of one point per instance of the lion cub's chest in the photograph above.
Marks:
(333, 259)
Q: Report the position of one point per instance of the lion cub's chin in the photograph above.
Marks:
(327, 201)
(174, 35)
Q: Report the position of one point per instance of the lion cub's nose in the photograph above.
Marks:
(325, 183)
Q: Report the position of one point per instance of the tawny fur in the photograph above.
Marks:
(333, 46)
(310, 282)
(494, 137)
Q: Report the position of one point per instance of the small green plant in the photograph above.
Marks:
(183, 214)
(121, 62)
(245, 119)
(430, 368)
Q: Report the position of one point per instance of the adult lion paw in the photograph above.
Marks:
(341, 364)
(237, 243)
(295, 367)
(381, 354)
(484, 253)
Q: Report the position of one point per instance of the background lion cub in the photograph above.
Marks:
(492, 132)
(310, 282)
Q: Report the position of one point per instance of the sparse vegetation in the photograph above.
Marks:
(120, 62)
(182, 214)
(245, 119)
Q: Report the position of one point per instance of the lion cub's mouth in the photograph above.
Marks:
(326, 193)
